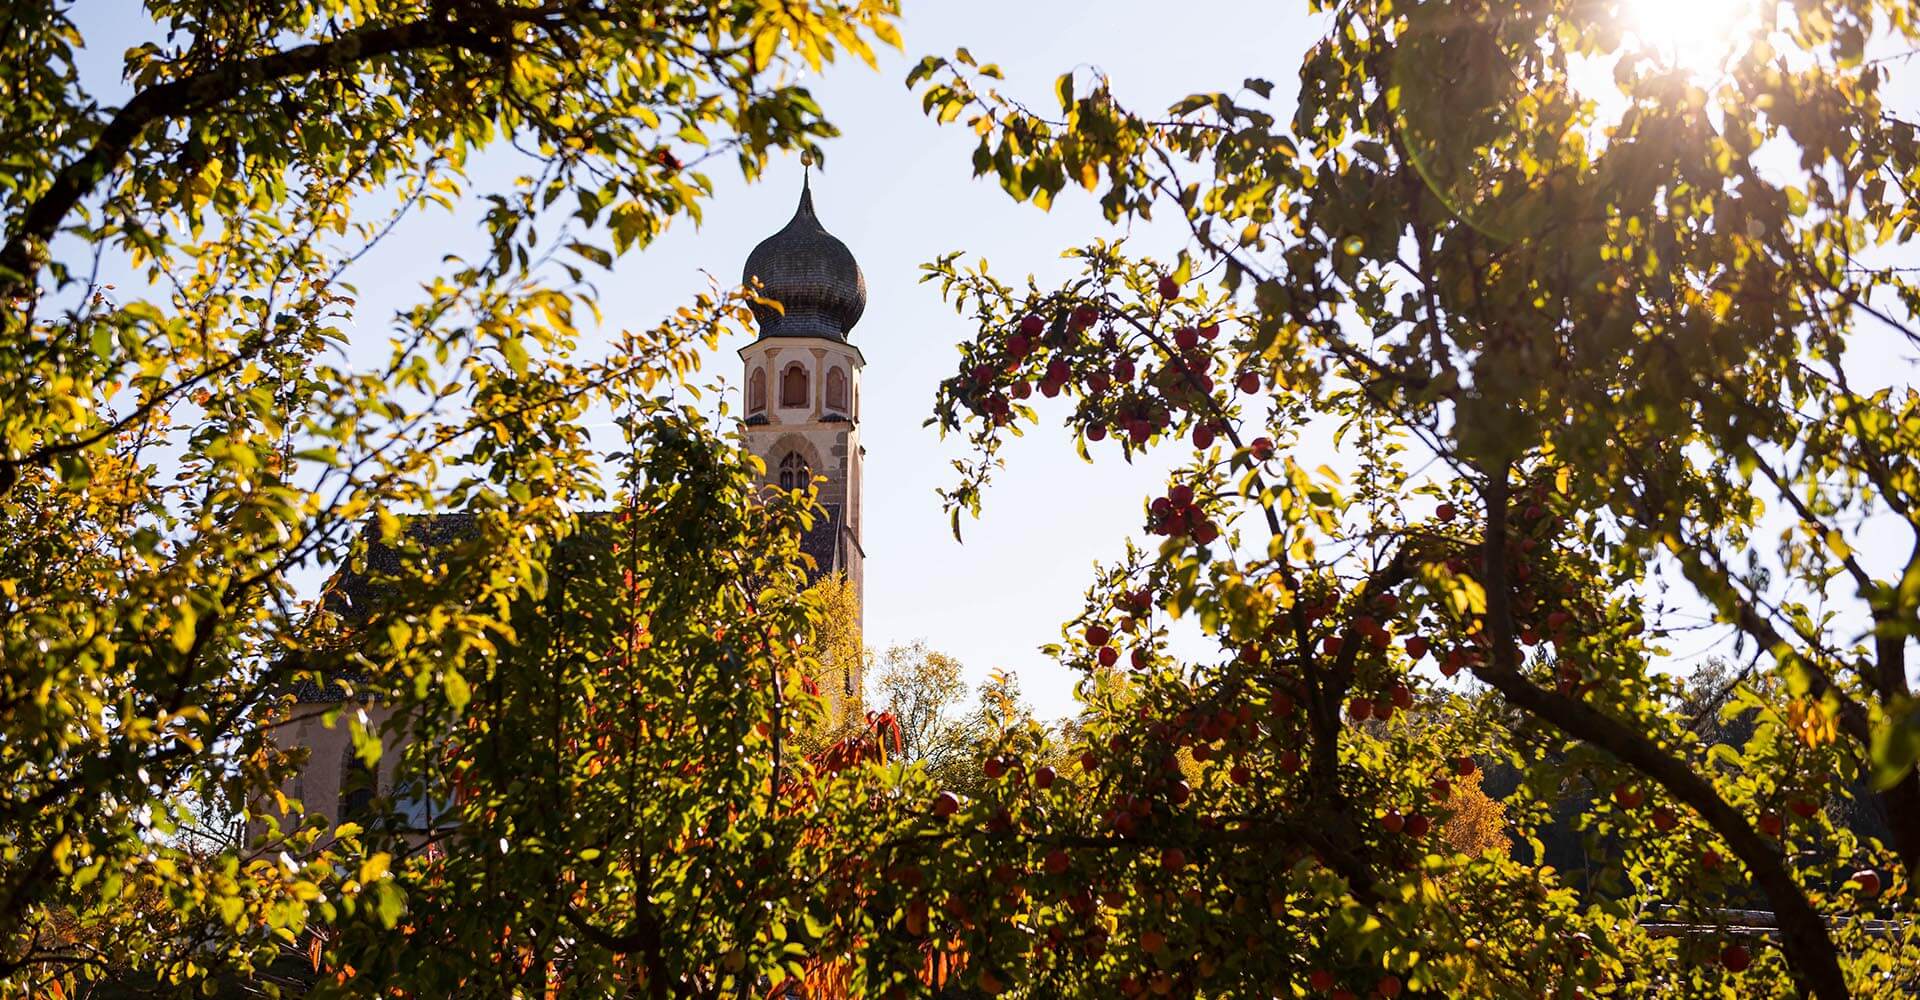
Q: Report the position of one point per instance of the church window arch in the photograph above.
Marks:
(757, 391)
(837, 389)
(793, 385)
(794, 474)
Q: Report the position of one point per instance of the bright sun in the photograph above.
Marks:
(1695, 35)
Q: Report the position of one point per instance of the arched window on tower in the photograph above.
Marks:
(757, 391)
(793, 472)
(837, 390)
(793, 385)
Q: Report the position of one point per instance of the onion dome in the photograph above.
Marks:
(809, 272)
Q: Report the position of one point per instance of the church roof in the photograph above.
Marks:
(811, 274)
(354, 596)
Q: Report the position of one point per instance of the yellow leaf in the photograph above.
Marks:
(374, 868)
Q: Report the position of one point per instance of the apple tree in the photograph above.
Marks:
(1611, 349)
(188, 431)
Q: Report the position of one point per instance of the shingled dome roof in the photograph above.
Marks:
(811, 274)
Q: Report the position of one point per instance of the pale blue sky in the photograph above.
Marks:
(898, 190)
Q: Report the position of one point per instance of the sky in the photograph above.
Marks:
(898, 190)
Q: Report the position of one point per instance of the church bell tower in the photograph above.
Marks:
(803, 379)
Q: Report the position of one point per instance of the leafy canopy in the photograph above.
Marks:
(180, 441)
(1579, 345)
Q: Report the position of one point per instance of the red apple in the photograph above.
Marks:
(1393, 822)
(1664, 819)
(1416, 647)
(1360, 708)
(1444, 512)
(1628, 797)
(1320, 979)
(1169, 287)
(1418, 825)
(1736, 958)
(1402, 697)
(1240, 774)
(1804, 808)
(1710, 860)
(1173, 859)
(1248, 382)
(1388, 986)
(1770, 824)
(1869, 882)
(995, 767)
(1033, 326)
(1057, 862)
(1290, 761)
(1261, 448)
(946, 804)
(1097, 635)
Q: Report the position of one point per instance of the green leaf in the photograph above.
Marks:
(455, 685)
(1896, 745)
(389, 903)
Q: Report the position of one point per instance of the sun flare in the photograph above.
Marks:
(1694, 35)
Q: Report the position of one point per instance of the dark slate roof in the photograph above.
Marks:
(811, 274)
(353, 596)
(822, 543)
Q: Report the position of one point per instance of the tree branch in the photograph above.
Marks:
(20, 257)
